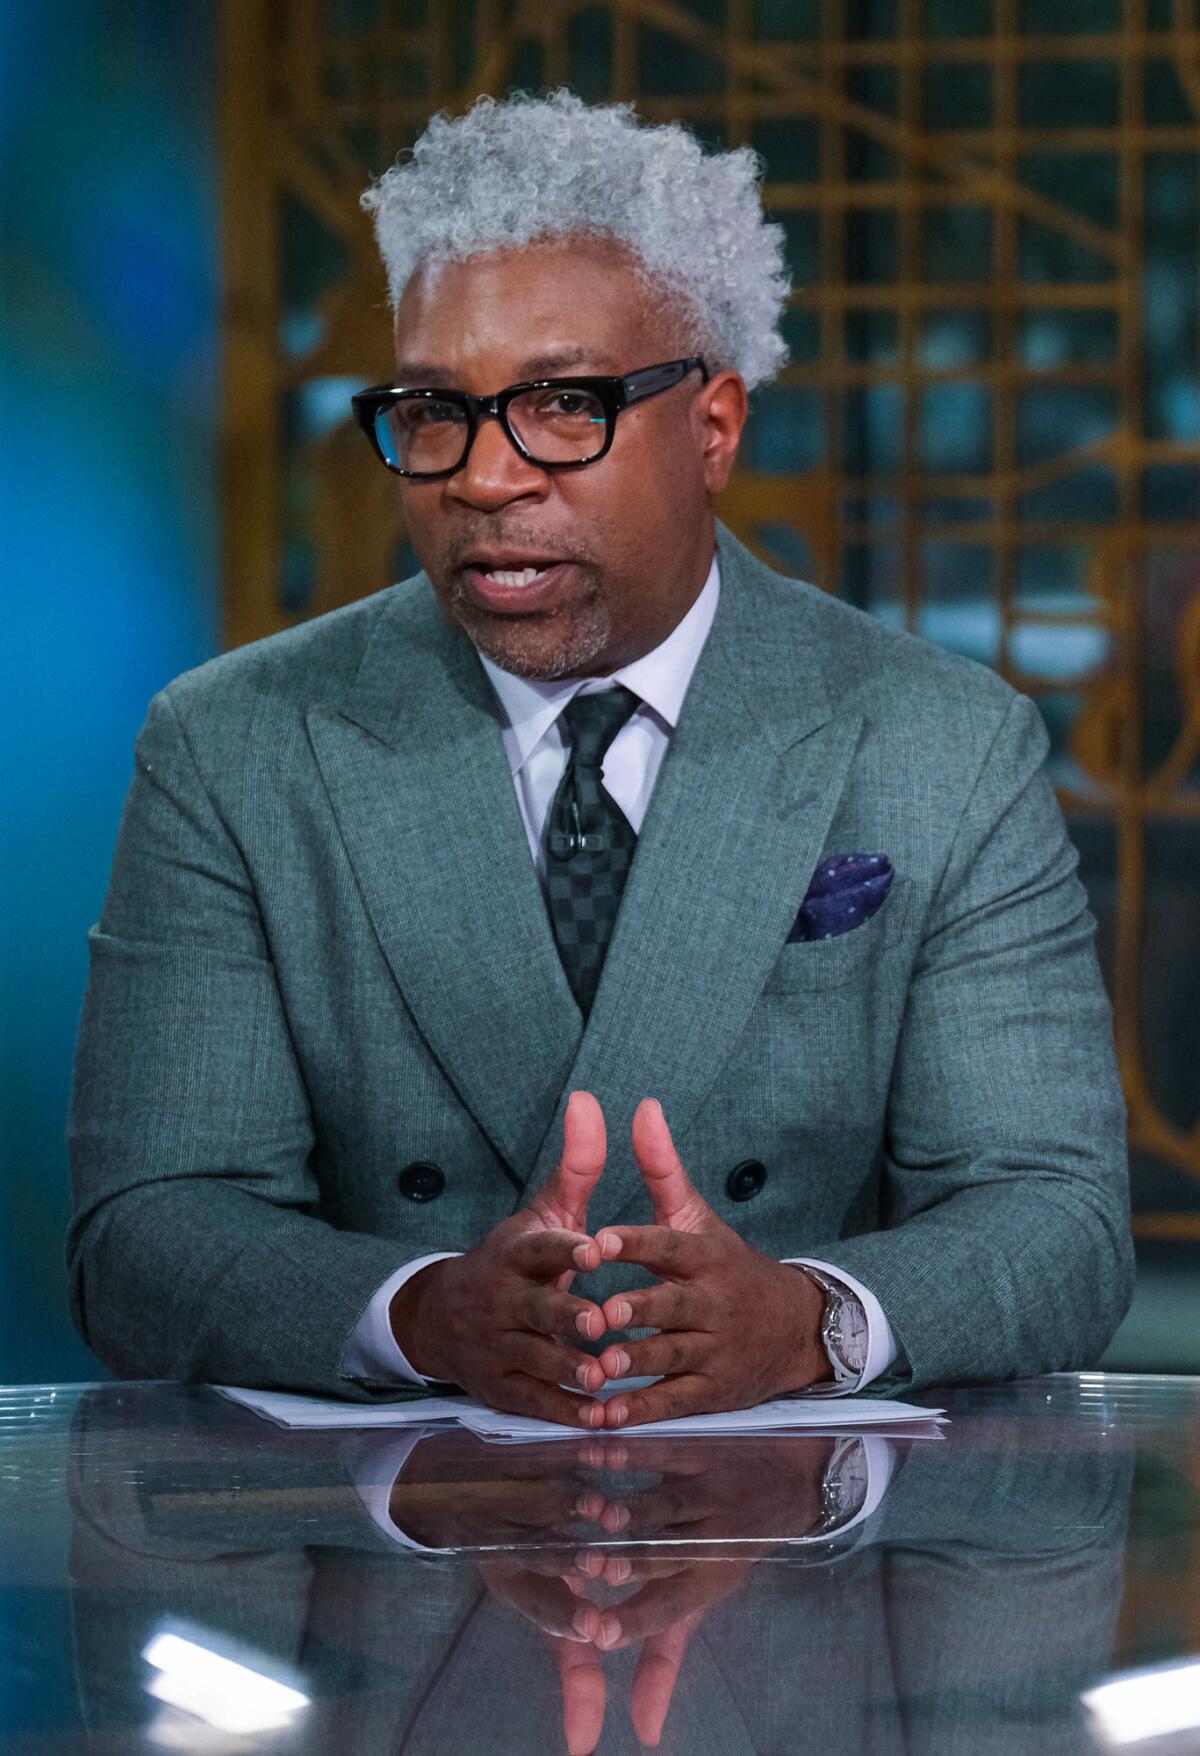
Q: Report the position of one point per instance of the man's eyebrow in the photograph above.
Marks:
(566, 360)
(420, 373)
(417, 373)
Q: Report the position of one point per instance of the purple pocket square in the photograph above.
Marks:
(846, 891)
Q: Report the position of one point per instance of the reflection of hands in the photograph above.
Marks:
(736, 1327)
(767, 1489)
(494, 1319)
(760, 1488)
(457, 1491)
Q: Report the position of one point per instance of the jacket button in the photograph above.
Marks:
(745, 1180)
(422, 1181)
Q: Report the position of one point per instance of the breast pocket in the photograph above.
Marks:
(811, 964)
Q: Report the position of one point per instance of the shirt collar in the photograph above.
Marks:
(659, 678)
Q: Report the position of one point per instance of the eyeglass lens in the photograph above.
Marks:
(425, 435)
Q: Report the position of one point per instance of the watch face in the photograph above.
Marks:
(849, 1467)
(850, 1333)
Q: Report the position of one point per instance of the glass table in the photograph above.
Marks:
(180, 1575)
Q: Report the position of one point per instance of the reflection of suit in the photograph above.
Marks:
(984, 1601)
(325, 956)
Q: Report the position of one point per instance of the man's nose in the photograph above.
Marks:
(495, 473)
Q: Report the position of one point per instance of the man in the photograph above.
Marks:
(596, 862)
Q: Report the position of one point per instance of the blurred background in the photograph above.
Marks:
(989, 431)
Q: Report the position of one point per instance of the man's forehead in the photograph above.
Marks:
(551, 363)
(551, 307)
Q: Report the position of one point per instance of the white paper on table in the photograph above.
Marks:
(793, 1413)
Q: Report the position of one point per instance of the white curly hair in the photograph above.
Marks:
(508, 173)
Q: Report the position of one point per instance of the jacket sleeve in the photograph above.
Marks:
(1006, 1206)
(195, 1250)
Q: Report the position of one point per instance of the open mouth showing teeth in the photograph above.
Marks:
(515, 576)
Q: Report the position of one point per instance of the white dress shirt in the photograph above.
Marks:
(537, 757)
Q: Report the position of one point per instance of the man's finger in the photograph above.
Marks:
(583, 1690)
(662, 1603)
(665, 1401)
(516, 1393)
(659, 1356)
(563, 1198)
(601, 1563)
(676, 1203)
(669, 1507)
(559, 1315)
(547, 1603)
(655, 1678)
(682, 1457)
(665, 1602)
(544, 1255)
(551, 1361)
(678, 1255)
(670, 1305)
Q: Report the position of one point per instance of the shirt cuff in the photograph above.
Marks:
(372, 1350)
(373, 1461)
(881, 1343)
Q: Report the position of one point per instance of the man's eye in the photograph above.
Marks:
(578, 405)
(429, 414)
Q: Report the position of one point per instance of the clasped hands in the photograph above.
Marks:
(734, 1326)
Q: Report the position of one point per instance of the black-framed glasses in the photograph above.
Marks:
(555, 423)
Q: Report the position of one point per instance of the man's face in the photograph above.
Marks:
(626, 542)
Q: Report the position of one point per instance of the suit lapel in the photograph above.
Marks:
(735, 828)
(416, 773)
(415, 769)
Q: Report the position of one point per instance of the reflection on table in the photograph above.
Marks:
(774, 1593)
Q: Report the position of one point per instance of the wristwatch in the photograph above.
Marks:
(843, 1330)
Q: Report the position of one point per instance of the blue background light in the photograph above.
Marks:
(109, 368)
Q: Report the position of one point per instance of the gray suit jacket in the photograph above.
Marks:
(325, 955)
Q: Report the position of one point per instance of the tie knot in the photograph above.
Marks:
(594, 721)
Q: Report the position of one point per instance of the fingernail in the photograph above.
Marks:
(617, 1413)
(615, 1518)
(586, 1375)
(583, 1323)
(622, 1313)
(592, 1415)
(610, 1631)
(589, 1505)
(589, 1561)
(580, 1621)
(610, 1244)
(620, 1362)
(620, 1570)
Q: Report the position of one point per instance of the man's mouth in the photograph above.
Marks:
(518, 585)
(513, 576)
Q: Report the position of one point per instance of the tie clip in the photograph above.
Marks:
(565, 846)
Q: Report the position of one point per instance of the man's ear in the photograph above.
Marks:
(722, 406)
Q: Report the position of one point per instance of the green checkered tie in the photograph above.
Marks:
(589, 842)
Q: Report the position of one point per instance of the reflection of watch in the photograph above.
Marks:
(844, 1489)
(843, 1330)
